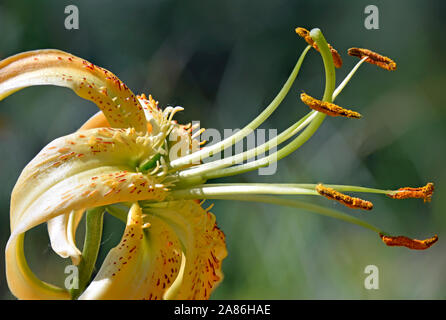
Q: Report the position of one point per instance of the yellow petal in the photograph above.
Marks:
(21, 281)
(204, 246)
(62, 232)
(54, 67)
(59, 180)
(143, 265)
(62, 229)
(97, 159)
(174, 253)
(98, 120)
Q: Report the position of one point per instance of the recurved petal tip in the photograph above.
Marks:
(54, 67)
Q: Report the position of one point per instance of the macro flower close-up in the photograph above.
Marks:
(136, 201)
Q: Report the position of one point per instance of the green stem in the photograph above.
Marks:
(94, 222)
(218, 147)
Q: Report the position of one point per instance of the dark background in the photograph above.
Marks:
(223, 61)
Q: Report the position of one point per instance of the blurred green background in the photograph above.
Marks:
(223, 61)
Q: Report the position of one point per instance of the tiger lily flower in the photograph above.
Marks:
(132, 160)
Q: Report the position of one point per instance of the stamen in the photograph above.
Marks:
(351, 202)
(157, 168)
(195, 126)
(198, 133)
(344, 82)
(193, 194)
(195, 177)
(414, 244)
(305, 34)
(337, 60)
(153, 102)
(328, 108)
(373, 58)
(254, 124)
(211, 167)
(163, 166)
(418, 193)
(174, 110)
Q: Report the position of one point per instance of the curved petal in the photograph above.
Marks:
(143, 265)
(81, 156)
(175, 252)
(98, 120)
(21, 281)
(93, 167)
(89, 189)
(86, 169)
(62, 229)
(54, 67)
(62, 232)
(204, 246)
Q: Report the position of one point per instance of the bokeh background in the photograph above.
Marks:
(223, 61)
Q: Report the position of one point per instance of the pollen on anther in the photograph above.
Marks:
(305, 34)
(403, 241)
(424, 193)
(328, 108)
(351, 202)
(373, 58)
